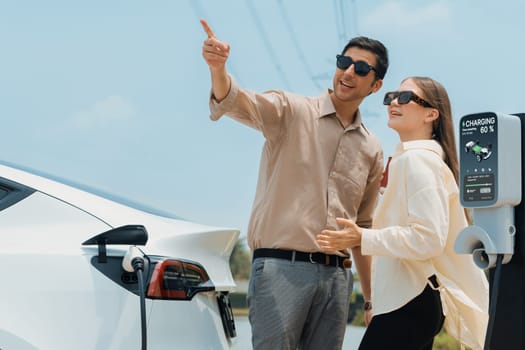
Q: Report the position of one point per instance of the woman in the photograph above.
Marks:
(418, 282)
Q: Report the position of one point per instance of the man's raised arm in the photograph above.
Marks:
(216, 53)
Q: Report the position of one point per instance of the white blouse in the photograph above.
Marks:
(415, 227)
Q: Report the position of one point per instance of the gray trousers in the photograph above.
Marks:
(298, 305)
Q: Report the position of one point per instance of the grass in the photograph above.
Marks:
(241, 312)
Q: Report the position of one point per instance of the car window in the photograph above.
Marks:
(12, 192)
(3, 192)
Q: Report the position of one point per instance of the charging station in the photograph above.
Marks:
(491, 186)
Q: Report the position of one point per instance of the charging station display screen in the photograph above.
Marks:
(479, 187)
(478, 159)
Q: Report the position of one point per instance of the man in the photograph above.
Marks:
(319, 162)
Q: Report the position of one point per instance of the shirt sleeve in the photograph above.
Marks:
(265, 112)
(423, 233)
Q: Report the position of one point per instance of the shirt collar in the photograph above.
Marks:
(327, 108)
(430, 145)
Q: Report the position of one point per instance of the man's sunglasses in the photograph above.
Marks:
(404, 97)
(361, 68)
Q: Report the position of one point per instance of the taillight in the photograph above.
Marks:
(180, 280)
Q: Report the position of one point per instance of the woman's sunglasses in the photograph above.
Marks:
(361, 68)
(404, 97)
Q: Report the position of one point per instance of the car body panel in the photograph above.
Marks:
(53, 297)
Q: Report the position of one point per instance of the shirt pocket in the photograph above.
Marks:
(353, 185)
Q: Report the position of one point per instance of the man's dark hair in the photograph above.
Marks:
(374, 46)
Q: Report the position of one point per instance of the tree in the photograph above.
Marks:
(240, 261)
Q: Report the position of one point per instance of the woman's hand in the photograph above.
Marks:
(348, 237)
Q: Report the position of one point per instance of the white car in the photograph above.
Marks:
(63, 284)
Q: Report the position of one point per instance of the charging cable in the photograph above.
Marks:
(134, 262)
(493, 301)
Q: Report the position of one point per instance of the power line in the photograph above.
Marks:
(338, 24)
(341, 34)
(342, 12)
(341, 9)
(341, 28)
(302, 57)
(267, 43)
(355, 18)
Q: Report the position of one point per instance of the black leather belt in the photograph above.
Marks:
(314, 258)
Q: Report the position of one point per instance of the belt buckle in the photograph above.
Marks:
(326, 259)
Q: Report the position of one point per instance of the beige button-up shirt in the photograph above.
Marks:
(415, 227)
(312, 169)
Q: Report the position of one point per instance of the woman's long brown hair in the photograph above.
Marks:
(443, 127)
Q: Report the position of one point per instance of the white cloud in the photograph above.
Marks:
(112, 109)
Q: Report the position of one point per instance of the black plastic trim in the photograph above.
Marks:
(112, 269)
(15, 192)
(228, 321)
(128, 234)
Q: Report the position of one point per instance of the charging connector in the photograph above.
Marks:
(134, 262)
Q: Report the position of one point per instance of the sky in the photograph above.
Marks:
(114, 94)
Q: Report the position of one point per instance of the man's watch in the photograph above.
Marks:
(367, 305)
